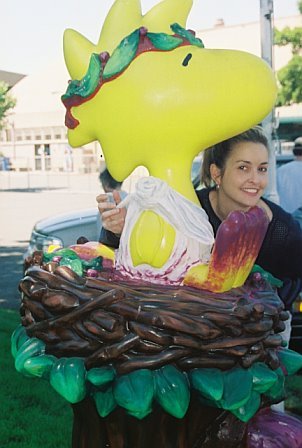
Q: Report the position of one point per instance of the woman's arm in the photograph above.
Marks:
(113, 219)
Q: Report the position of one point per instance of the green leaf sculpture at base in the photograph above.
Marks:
(67, 377)
(172, 390)
(135, 392)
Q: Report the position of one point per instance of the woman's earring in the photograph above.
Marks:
(217, 186)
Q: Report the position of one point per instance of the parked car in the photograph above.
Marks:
(64, 230)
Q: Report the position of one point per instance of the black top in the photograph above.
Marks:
(281, 250)
(109, 239)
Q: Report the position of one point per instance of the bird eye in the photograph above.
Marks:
(186, 60)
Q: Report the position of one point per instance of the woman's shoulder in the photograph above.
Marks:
(203, 192)
(281, 216)
(277, 211)
(204, 199)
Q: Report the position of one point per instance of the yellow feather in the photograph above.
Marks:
(77, 51)
(163, 14)
(124, 17)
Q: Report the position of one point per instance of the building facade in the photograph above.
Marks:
(35, 138)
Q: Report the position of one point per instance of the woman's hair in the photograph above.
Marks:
(108, 182)
(219, 153)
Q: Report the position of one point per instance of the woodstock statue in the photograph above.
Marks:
(172, 340)
(158, 100)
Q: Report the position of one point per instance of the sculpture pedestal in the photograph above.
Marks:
(201, 427)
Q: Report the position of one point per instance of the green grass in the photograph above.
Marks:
(32, 414)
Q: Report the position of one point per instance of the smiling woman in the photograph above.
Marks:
(238, 169)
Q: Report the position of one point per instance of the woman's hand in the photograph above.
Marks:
(113, 218)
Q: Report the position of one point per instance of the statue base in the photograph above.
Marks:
(202, 426)
(147, 366)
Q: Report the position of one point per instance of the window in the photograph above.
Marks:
(289, 128)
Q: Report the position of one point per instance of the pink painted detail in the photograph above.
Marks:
(166, 278)
(257, 276)
(107, 264)
(92, 273)
(272, 429)
(104, 56)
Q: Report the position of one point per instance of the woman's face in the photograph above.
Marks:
(245, 175)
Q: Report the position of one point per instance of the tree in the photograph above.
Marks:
(290, 76)
(7, 102)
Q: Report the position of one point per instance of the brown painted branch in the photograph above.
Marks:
(113, 351)
(249, 359)
(152, 362)
(151, 333)
(274, 340)
(103, 300)
(102, 334)
(109, 321)
(68, 274)
(219, 362)
(232, 342)
(166, 320)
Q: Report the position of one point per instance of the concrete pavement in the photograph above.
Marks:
(20, 209)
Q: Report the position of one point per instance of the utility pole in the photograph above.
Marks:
(266, 31)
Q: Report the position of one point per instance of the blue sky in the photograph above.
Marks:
(31, 30)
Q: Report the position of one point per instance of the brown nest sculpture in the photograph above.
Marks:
(131, 327)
